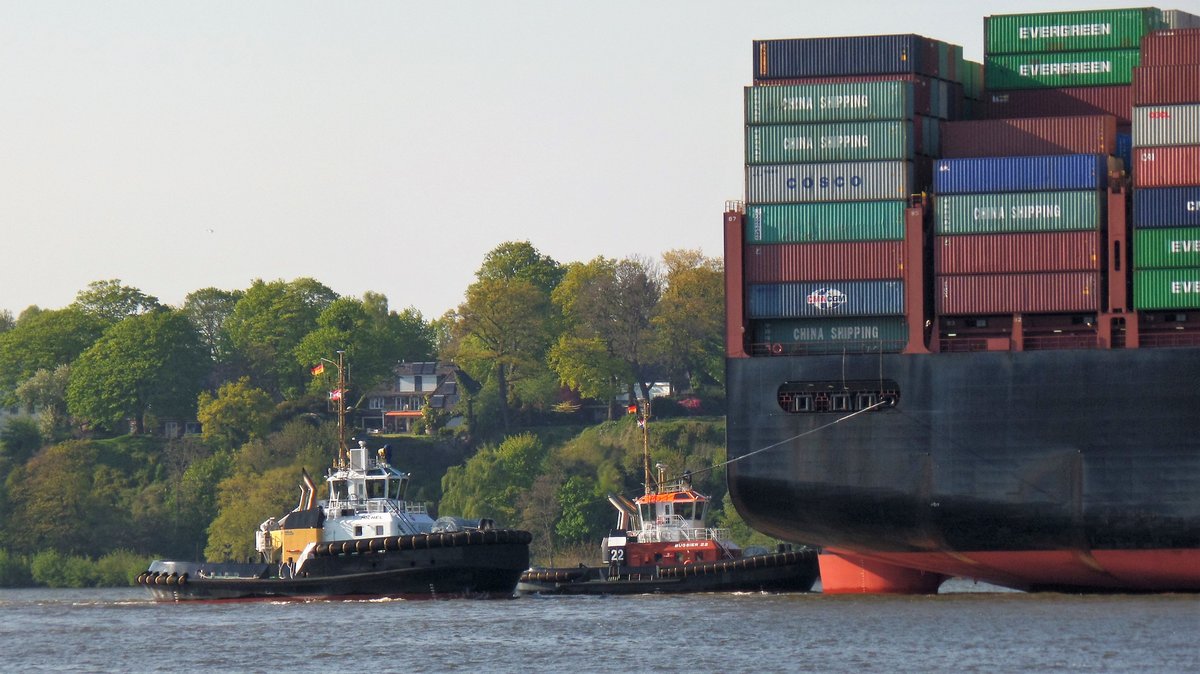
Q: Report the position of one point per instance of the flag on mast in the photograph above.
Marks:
(335, 394)
(320, 368)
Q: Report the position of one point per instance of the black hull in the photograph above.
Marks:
(779, 572)
(451, 570)
(1089, 451)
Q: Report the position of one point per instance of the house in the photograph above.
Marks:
(397, 408)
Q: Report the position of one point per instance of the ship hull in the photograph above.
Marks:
(1057, 470)
(775, 572)
(433, 566)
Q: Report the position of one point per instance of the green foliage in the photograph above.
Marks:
(208, 309)
(492, 482)
(238, 413)
(146, 362)
(46, 392)
(583, 511)
(20, 438)
(266, 326)
(112, 302)
(689, 323)
(43, 340)
(520, 260)
(14, 570)
(119, 568)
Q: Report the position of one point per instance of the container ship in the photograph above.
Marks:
(963, 305)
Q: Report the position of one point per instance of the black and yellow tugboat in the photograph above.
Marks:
(364, 540)
(663, 544)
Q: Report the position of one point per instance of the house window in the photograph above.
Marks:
(418, 384)
(375, 403)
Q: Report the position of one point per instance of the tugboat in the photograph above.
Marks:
(364, 540)
(670, 549)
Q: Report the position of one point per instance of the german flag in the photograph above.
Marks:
(320, 368)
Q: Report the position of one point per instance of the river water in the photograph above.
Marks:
(966, 628)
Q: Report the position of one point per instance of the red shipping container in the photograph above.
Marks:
(1016, 253)
(1177, 166)
(1166, 85)
(1032, 136)
(1171, 48)
(1048, 293)
(848, 261)
(1064, 102)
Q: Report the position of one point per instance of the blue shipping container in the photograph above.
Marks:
(1167, 207)
(1125, 149)
(858, 55)
(827, 298)
(1052, 173)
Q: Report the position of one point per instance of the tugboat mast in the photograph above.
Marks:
(339, 395)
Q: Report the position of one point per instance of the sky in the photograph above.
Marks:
(384, 146)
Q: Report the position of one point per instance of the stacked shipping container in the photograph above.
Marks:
(1166, 139)
(839, 133)
(1065, 63)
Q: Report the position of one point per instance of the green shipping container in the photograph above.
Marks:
(850, 141)
(1166, 288)
(848, 102)
(888, 334)
(1166, 248)
(1068, 69)
(826, 221)
(1014, 212)
(1069, 31)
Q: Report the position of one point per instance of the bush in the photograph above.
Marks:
(14, 570)
(119, 568)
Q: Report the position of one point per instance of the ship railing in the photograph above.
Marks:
(824, 348)
(667, 533)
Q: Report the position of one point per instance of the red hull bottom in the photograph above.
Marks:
(866, 572)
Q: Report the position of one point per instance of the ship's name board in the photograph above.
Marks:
(1185, 287)
(1017, 212)
(1068, 30)
(1192, 246)
(1077, 68)
(824, 142)
(836, 333)
(825, 102)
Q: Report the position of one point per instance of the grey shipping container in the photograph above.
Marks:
(830, 335)
(1166, 288)
(836, 221)
(841, 141)
(1163, 125)
(1016, 212)
(1091, 134)
(849, 261)
(824, 299)
(1041, 293)
(842, 181)
(1166, 248)
(841, 102)
(1176, 19)
(1016, 253)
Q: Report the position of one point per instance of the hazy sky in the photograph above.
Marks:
(383, 146)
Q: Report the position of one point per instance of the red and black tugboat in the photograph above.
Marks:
(364, 540)
(663, 544)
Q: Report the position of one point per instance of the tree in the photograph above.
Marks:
(608, 306)
(19, 439)
(689, 325)
(493, 482)
(582, 511)
(148, 362)
(373, 338)
(7, 322)
(58, 507)
(46, 393)
(43, 340)
(520, 260)
(238, 413)
(208, 309)
(504, 327)
(266, 326)
(111, 301)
